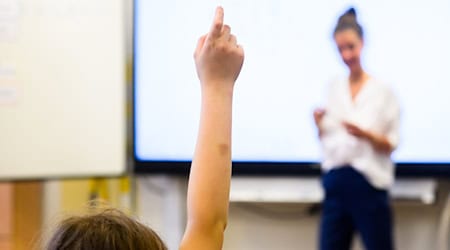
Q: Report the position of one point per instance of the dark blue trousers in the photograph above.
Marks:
(353, 205)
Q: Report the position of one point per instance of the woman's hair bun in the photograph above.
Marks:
(348, 17)
(351, 11)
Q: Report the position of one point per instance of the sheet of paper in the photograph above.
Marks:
(9, 20)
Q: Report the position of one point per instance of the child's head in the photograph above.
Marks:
(109, 229)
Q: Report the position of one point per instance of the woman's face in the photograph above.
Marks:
(349, 45)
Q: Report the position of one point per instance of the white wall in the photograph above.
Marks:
(267, 226)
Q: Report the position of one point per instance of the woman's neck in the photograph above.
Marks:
(358, 76)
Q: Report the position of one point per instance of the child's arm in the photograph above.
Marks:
(218, 60)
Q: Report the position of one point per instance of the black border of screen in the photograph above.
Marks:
(413, 170)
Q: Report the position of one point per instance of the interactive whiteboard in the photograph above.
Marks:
(290, 58)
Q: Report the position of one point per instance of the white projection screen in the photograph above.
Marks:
(290, 57)
(62, 88)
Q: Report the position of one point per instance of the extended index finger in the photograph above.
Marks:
(217, 24)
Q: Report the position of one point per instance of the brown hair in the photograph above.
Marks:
(105, 230)
(348, 21)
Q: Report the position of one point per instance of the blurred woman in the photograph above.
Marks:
(358, 130)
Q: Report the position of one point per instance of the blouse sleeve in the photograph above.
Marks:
(393, 121)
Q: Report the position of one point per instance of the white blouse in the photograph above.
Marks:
(375, 108)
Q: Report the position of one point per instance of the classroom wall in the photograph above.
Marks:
(278, 226)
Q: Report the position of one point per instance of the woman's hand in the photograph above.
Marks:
(379, 142)
(318, 117)
(355, 130)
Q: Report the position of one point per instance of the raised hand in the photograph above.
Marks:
(218, 57)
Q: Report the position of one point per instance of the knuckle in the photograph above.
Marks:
(217, 26)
